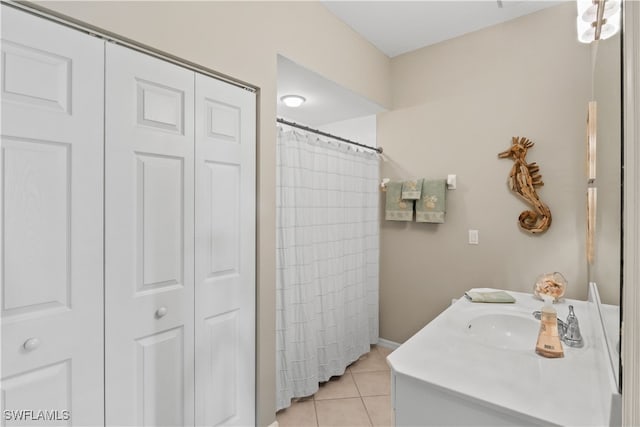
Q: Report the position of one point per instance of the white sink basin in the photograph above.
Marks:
(505, 331)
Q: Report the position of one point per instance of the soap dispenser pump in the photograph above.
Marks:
(549, 344)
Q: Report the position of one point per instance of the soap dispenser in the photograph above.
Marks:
(549, 344)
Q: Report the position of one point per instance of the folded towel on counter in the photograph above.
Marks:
(397, 209)
(432, 204)
(411, 190)
(489, 295)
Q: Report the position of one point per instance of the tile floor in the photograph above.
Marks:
(360, 397)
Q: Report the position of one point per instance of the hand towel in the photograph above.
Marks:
(489, 296)
(432, 204)
(411, 190)
(397, 209)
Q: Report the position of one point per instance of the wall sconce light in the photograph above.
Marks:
(293, 101)
(597, 19)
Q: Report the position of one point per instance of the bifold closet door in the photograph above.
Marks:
(225, 254)
(149, 292)
(52, 200)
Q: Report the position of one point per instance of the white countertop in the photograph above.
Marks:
(574, 390)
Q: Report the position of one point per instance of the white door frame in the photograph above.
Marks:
(631, 219)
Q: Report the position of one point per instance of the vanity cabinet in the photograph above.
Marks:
(416, 403)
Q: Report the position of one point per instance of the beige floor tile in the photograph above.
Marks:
(379, 410)
(342, 412)
(384, 351)
(370, 362)
(338, 388)
(299, 414)
(373, 383)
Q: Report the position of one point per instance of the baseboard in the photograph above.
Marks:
(388, 344)
(274, 424)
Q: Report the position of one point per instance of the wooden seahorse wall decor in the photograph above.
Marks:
(523, 180)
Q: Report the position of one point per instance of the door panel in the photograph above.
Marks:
(160, 227)
(52, 200)
(44, 387)
(161, 378)
(221, 358)
(37, 179)
(225, 254)
(149, 247)
(223, 222)
(36, 77)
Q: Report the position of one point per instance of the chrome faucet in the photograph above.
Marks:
(572, 336)
(568, 331)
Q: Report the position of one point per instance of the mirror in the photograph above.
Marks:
(606, 268)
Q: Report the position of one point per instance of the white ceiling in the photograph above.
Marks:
(327, 101)
(395, 27)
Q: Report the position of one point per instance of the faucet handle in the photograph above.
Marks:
(572, 336)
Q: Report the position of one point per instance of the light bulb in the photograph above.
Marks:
(590, 13)
(611, 26)
(587, 31)
(293, 101)
(582, 6)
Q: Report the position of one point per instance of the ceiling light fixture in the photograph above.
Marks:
(597, 19)
(293, 101)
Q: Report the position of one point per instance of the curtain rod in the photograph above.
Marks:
(319, 132)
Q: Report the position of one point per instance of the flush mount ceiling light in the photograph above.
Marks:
(597, 19)
(293, 101)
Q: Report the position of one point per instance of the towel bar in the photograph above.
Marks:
(451, 183)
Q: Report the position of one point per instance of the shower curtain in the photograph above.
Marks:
(327, 260)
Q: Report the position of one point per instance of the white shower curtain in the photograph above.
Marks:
(327, 260)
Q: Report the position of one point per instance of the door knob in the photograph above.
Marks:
(161, 312)
(31, 344)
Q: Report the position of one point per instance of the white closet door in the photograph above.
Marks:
(51, 297)
(149, 240)
(225, 254)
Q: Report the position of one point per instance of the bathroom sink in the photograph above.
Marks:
(476, 364)
(504, 331)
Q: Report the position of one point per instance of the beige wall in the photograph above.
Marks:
(242, 39)
(455, 106)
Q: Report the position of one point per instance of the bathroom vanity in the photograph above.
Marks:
(475, 364)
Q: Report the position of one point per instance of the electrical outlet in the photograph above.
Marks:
(473, 237)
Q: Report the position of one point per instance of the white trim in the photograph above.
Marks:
(274, 424)
(388, 344)
(631, 219)
(610, 352)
